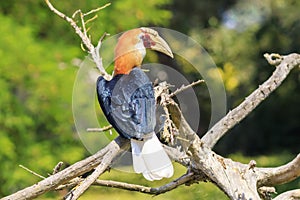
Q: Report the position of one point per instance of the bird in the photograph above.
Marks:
(128, 101)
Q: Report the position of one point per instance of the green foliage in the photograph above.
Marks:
(36, 86)
(120, 16)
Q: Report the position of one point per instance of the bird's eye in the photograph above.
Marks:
(147, 40)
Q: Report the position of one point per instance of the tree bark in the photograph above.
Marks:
(75, 170)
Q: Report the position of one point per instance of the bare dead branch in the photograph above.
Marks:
(70, 184)
(266, 192)
(183, 87)
(91, 19)
(187, 179)
(75, 170)
(177, 131)
(105, 128)
(57, 167)
(85, 184)
(174, 154)
(77, 29)
(96, 10)
(148, 190)
(94, 52)
(289, 195)
(177, 155)
(280, 175)
(32, 172)
(285, 65)
(238, 181)
(273, 59)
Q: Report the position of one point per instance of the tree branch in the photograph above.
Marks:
(184, 179)
(105, 128)
(94, 52)
(85, 184)
(289, 195)
(32, 172)
(280, 175)
(185, 87)
(284, 65)
(188, 179)
(237, 180)
(75, 170)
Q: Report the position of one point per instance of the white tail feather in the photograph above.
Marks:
(149, 158)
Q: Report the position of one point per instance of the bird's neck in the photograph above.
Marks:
(125, 63)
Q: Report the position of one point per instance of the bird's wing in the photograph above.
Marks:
(128, 103)
(104, 94)
(133, 104)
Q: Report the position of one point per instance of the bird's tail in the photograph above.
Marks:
(150, 158)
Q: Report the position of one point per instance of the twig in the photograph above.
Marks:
(188, 179)
(57, 167)
(91, 19)
(96, 10)
(96, 55)
(273, 59)
(105, 128)
(183, 87)
(72, 183)
(85, 184)
(287, 63)
(78, 31)
(83, 35)
(83, 25)
(147, 190)
(32, 172)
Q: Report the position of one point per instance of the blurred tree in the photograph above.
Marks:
(120, 16)
(36, 85)
(192, 14)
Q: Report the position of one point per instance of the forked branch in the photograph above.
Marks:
(82, 33)
(284, 64)
(73, 171)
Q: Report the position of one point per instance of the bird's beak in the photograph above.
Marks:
(161, 46)
(157, 43)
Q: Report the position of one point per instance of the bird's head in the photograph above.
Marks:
(131, 48)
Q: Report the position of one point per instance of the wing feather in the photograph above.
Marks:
(128, 103)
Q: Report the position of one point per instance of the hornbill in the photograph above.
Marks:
(128, 102)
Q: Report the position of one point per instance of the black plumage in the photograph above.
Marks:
(128, 103)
